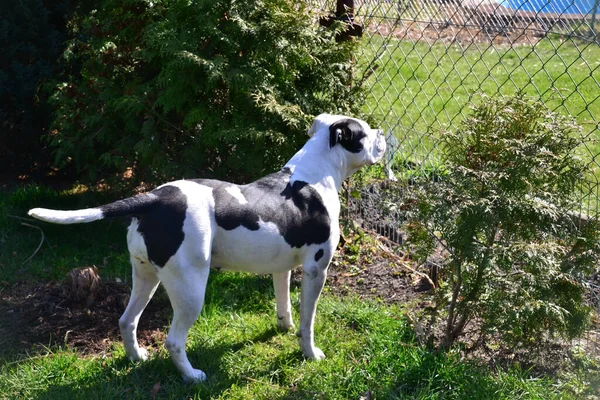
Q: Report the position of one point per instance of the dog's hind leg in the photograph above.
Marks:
(186, 288)
(281, 284)
(313, 280)
(144, 285)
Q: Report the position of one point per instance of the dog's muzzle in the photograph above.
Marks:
(379, 146)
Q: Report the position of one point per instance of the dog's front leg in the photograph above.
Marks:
(281, 284)
(313, 280)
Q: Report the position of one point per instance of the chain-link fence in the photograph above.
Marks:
(425, 61)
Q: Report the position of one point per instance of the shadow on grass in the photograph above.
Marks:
(122, 378)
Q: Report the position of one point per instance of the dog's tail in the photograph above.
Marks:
(131, 206)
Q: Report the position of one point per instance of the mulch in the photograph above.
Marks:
(34, 317)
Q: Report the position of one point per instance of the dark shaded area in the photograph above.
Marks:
(344, 12)
(33, 36)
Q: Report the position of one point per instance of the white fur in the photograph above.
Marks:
(262, 251)
(235, 192)
(67, 217)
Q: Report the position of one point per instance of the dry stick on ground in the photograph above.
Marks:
(404, 264)
(43, 237)
(399, 259)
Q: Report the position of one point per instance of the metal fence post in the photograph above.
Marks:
(593, 20)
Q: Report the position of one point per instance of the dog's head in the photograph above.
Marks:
(353, 138)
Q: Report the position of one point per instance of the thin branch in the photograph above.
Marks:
(399, 259)
(440, 241)
(41, 240)
(449, 334)
(261, 382)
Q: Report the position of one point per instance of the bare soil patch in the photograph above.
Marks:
(377, 275)
(33, 317)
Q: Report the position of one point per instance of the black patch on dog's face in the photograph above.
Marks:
(161, 225)
(319, 254)
(296, 209)
(348, 133)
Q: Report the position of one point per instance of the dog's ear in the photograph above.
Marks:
(337, 134)
(348, 133)
(340, 133)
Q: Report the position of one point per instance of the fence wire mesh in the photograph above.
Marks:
(425, 61)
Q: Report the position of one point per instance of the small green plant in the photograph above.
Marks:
(516, 252)
(173, 88)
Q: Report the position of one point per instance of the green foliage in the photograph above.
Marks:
(517, 254)
(175, 88)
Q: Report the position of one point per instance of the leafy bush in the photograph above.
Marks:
(516, 253)
(175, 88)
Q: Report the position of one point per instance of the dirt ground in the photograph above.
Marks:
(33, 317)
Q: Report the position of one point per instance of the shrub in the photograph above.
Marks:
(516, 253)
(174, 88)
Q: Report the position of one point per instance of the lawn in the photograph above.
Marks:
(371, 348)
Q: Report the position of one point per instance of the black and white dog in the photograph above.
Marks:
(284, 220)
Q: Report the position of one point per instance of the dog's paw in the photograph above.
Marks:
(197, 376)
(140, 354)
(285, 324)
(314, 354)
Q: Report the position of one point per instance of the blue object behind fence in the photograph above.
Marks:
(554, 6)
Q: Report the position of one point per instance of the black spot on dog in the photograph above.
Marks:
(348, 133)
(319, 254)
(295, 208)
(161, 224)
(130, 206)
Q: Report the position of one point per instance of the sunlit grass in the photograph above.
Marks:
(369, 346)
(426, 88)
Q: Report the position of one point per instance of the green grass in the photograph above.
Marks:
(235, 342)
(369, 346)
